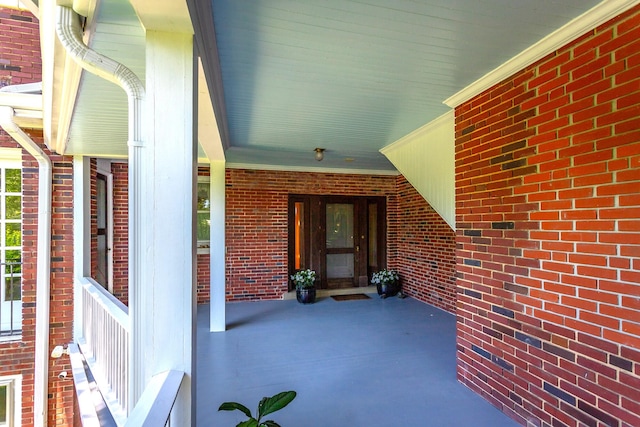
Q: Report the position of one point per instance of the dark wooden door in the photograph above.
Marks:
(341, 244)
(102, 273)
(342, 238)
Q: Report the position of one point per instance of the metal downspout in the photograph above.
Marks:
(70, 35)
(43, 278)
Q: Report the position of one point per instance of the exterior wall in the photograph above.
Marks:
(548, 235)
(425, 250)
(257, 234)
(61, 392)
(259, 200)
(257, 223)
(203, 277)
(20, 48)
(20, 63)
(120, 231)
(17, 357)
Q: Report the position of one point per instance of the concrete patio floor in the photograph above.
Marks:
(367, 363)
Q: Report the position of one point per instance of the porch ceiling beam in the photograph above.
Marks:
(163, 15)
(207, 50)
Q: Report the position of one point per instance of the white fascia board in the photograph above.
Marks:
(21, 101)
(27, 108)
(60, 77)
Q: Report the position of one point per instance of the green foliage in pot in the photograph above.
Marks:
(385, 277)
(304, 279)
(266, 406)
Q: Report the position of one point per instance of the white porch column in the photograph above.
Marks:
(217, 322)
(162, 226)
(81, 236)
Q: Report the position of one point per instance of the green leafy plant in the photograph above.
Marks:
(385, 277)
(266, 406)
(304, 278)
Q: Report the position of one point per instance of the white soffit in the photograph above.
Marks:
(589, 20)
(426, 158)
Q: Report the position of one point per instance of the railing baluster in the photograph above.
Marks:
(105, 347)
(105, 327)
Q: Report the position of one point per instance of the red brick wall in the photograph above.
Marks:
(20, 63)
(120, 231)
(203, 276)
(425, 250)
(257, 219)
(256, 233)
(548, 214)
(61, 392)
(20, 60)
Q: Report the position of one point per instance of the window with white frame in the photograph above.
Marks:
(10, 400)
(10, 245)
(203, 213)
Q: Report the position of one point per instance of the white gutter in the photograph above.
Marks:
(43, 281)
(70, 35)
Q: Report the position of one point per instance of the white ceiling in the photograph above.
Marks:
(351, 76)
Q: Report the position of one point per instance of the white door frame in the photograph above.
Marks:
(103, 167)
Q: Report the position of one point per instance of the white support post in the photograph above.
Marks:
(163, 299)
(81, 236)
(217, 321)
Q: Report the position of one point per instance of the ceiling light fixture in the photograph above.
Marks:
(319, 154)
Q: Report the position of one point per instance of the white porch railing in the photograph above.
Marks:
(105, 345)
(156, 403)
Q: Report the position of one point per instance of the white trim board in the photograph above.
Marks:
(252, 166)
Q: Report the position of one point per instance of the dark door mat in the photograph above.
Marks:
(349, 297)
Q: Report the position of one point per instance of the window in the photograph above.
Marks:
(10, 247)
(10, 402)
(203, 212)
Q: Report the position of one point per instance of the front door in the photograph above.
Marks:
(341, 238)
(341, 261)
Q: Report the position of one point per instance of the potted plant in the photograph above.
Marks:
(266, 406)
(387, 282)
(305, 285)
